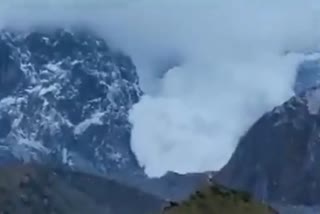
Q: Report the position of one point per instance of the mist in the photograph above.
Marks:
(209, 68)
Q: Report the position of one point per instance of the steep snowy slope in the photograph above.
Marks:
(65, 96)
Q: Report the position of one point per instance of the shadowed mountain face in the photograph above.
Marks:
(278, 159)
(37, 190)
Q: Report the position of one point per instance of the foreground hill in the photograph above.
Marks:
(37, 190)
(218, 199)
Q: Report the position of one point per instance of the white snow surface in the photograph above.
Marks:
(94, 119)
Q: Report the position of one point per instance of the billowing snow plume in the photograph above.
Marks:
(209, 68)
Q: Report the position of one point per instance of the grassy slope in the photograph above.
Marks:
(38, 190)
(26, 189)
(219, 200)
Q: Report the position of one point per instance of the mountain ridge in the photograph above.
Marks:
(276, 160)
(33, 188)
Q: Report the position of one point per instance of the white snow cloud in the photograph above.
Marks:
(209, 68)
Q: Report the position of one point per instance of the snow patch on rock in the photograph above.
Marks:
(313, 101)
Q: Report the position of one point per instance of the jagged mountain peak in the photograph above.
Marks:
(60, 92)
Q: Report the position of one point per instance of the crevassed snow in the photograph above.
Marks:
(94, 119)
(53, 67)
(116, 156)
(56, 69)
(49, 89)
(74, 62)
(16, 122)
(32, 144)
(7, 101)
(34, 89)
(64, 155)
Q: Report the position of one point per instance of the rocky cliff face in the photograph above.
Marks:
(278, 158)
(65, 96)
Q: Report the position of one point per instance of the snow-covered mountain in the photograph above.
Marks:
(65, 96)
(278, 158)
(64, 100)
